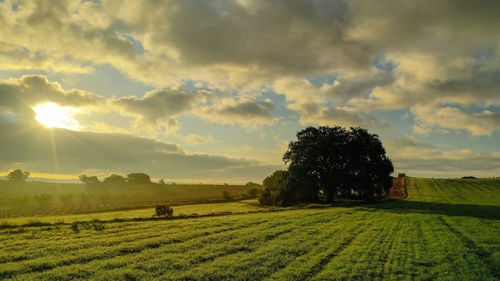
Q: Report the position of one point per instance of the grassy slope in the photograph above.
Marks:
(444, 230)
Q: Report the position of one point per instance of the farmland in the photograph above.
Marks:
(44, 198)
(446, 229)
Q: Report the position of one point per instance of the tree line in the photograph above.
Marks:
(114, 179)
(327, 164)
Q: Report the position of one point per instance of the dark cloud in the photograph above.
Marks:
(45, 150)
(247, 112)
(156, 107)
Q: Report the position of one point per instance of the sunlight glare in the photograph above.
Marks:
(52, 115)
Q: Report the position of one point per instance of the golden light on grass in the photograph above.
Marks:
(52, 115)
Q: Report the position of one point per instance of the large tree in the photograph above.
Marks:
(337, 161)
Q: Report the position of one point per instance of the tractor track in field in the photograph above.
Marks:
(482, 254)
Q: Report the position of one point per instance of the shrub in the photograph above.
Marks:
(162, 211)
(226, 195)
(74, 227)
(401, 175)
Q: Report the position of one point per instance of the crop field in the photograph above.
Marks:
(443, 230)
(242, 206)
(44, 198)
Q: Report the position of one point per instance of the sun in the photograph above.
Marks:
(52, 115)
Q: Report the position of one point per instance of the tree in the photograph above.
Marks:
(89, 180)
(18, 175)
(401, 175)
(138, 178)
(161, 181)
(115, 179)
(274, 188)
(338, 162)
(226, 195)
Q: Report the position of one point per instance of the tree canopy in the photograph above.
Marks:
(335, 162)
(138, 178)
(18, 175)
(115, 179)
(89, 180)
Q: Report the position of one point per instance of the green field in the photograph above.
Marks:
(444, 230)
(44, 198)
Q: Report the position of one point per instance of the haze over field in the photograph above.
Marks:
(213, 91)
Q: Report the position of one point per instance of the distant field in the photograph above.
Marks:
(443, 230)
(42, 198)
(193, 209)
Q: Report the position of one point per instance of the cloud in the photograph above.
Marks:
(311, 103)
(428, 117)
(245, 111)
(19, 95)
(455, 163)
(425, 160)
(156, 108)
(196, 139)
(61, 151)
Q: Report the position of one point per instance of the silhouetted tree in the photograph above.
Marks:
(138, 178)
(115, 179)
(92, 180)
(401, 175)
(18, 175)
(337, 161)
(274, 188)
(369, 169)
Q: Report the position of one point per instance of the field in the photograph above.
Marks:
(43, 198)
(443, 230)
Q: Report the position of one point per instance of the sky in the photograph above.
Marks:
(212, 91)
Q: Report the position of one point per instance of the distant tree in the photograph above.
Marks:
(226, 195)
(89, 180)
(115, 179)
(162, 211)
(161, 181)
(469, 178)
(18, 175)
(401, 175)
(138, 178)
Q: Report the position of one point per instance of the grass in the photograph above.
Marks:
(42, 198)
(444, 230)
(181, 210)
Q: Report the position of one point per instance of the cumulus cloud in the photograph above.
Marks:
(311, 103)
(19, 95)
(156, 108)
(481, 123)
(247, 112)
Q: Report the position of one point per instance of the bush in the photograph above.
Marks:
(163, 211)
(401, 175)
(226, 195)
(74, 227)
(252, 192)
